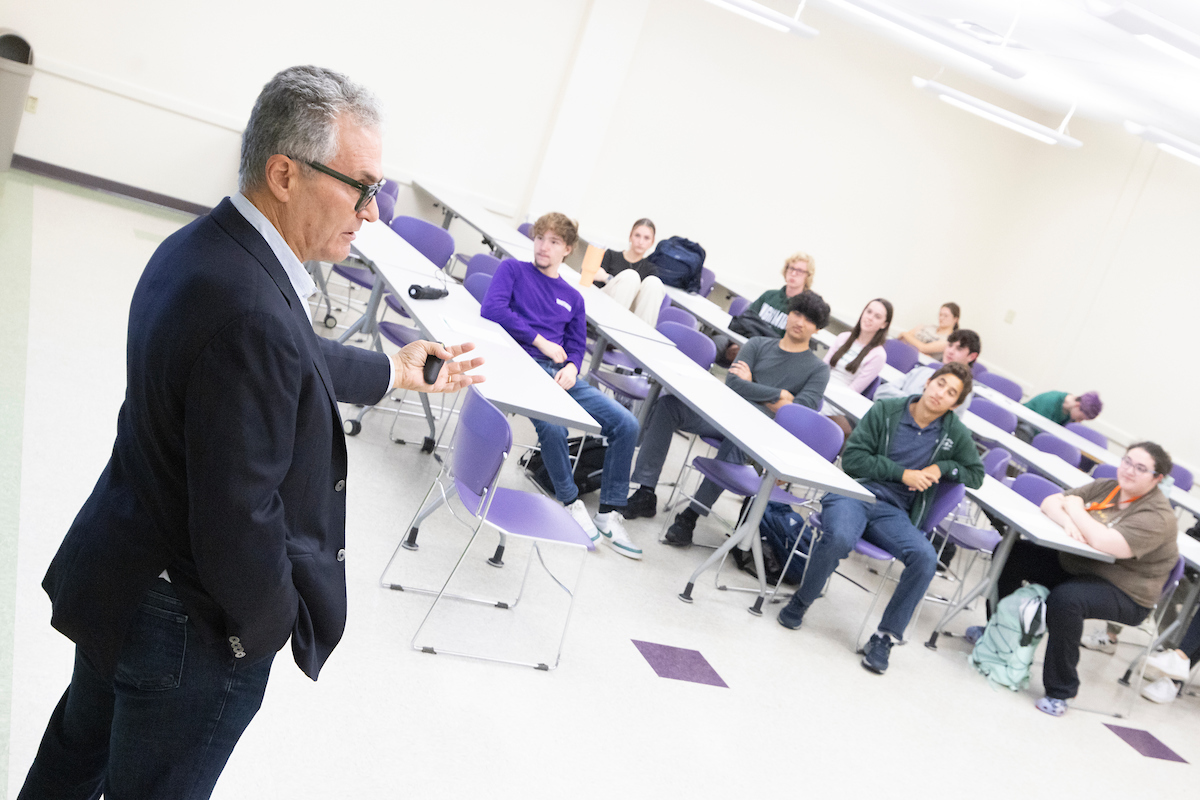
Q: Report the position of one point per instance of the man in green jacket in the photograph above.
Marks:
(901, 450)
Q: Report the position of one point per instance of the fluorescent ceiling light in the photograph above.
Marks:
(881, 12)
(766, 16)
(996, 114)
(1151, 29)
(1167, 142)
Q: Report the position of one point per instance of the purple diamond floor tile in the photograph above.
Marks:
(1145, 743)
(679, 663)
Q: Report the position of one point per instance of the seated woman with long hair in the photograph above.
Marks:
(857, 356)
(931, 339)
(629, 278)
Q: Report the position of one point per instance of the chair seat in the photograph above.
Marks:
(741, 479)
(871, 551)
(970, 538)
(530, 515)
(399, 335)
(394, 304)
(618, 360)
(363, 277)
(633, 386)
(712, 441)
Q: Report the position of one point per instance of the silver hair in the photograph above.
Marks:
(296, 114)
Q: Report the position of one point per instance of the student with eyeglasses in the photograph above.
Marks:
(1128, 518)
(767, 315)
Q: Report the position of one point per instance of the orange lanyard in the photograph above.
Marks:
(1107, 502)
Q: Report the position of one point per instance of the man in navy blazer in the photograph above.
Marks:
(217, 529)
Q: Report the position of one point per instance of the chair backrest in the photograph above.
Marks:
(666, 303)
(477, 285)
(1002, 418)
(481, 263)
(1049, 443)
(1090, 434)
(1183, 478)
(481, 443)
(1172, 580)
(673, 314)
(526, 229)
(869, 392)
(708, 279)
(996, 461)
(387, 206)
(430, 241)
(901, 355)
(737, 305)
(1010, 389)
(978, 369)
(1105, 472)
(392, 189)
(1034, 488)
(694, 344)
(945, 500)
(817, 431)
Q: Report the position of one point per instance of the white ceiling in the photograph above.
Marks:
(1071, 56)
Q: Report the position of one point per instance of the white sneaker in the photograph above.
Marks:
(580, 514)
(1168, 664)
(1162, 690)
(613, 530)
(1098, 640)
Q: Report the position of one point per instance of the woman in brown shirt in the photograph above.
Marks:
(1131, 520)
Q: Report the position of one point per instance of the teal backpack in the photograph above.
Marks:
(1005, 651)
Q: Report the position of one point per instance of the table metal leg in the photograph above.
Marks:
(598, 354)
(987, 585)
(749, 527)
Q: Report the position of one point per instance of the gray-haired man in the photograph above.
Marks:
(217, 530)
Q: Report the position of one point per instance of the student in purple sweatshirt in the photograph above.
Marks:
(545, 315)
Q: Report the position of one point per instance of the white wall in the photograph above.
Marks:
(752, 142)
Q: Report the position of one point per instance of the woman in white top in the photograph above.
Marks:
(931, 339)
(629, 278)
(857, 356)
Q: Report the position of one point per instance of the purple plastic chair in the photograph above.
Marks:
(996, 461)
(708, 279)
(392, 189)
(1091, 434)
(978, 369)
(1035, 488)
(869, 392)
(1183, 478)
(526, 229)
(1105, 472)
(901, 354)
(1002, 418)
(1049, 443)
(477, 285)
(1010, 389)
(692, 343)
(673, 314)
(481, 445)
(737, 305)
(431, 241)
(484, 263)
(387, 206)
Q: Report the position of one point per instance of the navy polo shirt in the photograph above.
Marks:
(912, 448)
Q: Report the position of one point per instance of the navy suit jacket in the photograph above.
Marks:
(229, 465)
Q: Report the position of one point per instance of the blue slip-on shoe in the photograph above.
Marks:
(1052, 706)
(973, 634)
(875, 654)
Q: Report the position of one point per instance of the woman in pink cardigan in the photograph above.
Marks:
(857, 356)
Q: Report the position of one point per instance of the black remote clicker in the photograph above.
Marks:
(433, 365)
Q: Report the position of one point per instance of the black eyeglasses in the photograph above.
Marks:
(366, 191)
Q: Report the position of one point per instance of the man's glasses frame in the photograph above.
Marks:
(365, 191)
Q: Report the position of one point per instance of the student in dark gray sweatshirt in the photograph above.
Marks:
(769, 373)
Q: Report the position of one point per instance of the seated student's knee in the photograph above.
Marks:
(623, 426)
(921, 557)
(548, 431)
(1065, 605)
(838, 540)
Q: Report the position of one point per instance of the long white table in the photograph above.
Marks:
(1047, 464)
(1085, 446)
(498, 233)
(782, 456)
(515, 384)
(704, 310)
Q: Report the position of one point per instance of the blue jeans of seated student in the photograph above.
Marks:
(844, 521)
(671, 414)
(163, 727)
(616, 424)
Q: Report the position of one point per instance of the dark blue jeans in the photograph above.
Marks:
(616, 424)
(163, 727)
(845, 521)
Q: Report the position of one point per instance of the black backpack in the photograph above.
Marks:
(587, 470)
(679, 262)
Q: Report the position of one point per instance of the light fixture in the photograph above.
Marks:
(767, 16)
(1167, 142)
(1151, 29)
(998, 115)
(881, 12)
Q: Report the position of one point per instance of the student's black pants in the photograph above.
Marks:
(1073, 598)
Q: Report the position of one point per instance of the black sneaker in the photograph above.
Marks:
(791, 615)
(875, 654)
(680, 532)
(642, 503)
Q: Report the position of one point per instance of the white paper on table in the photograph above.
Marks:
(474, 333)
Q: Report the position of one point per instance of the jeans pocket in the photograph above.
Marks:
(152, 656)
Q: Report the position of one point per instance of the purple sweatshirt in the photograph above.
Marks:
(527, 303)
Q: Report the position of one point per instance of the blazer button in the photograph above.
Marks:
(341, 554)
(337, 487)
